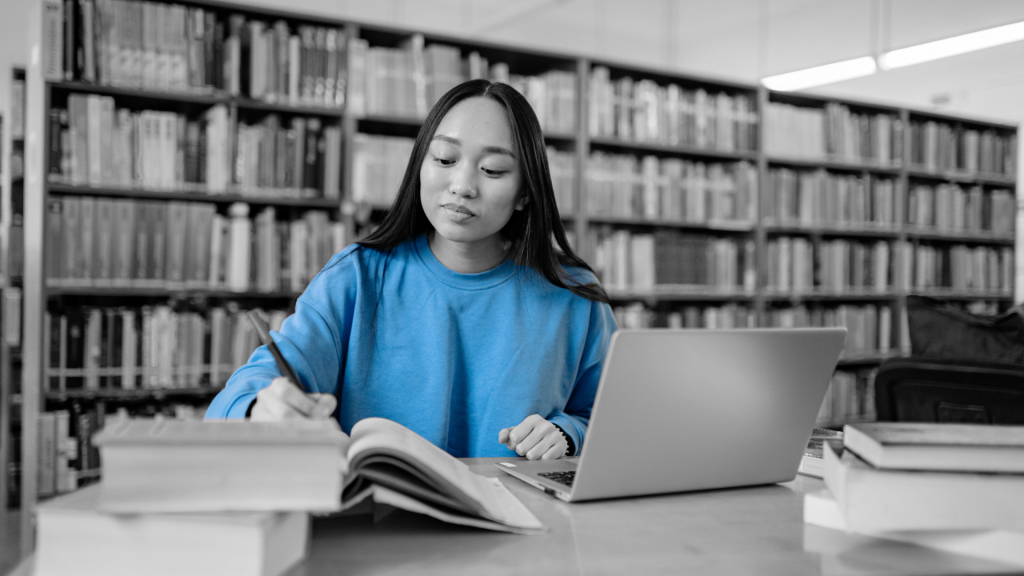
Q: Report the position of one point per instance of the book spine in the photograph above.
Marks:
(129, 350)
(93, 348)
(47, 455)
(52, 57)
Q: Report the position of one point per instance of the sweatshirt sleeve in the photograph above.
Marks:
(312, 340)
(576, 416)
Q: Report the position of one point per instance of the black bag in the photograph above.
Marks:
(941, 330)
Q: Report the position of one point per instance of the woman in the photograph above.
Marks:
(457, 317)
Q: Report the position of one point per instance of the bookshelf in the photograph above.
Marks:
(789, 209)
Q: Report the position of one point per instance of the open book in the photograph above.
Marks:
(190, 466)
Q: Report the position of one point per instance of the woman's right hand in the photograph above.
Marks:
(283, 400)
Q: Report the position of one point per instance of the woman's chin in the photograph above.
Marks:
(454, 232)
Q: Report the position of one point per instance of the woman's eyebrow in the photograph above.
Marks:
(488, 149)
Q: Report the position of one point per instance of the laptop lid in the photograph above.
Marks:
(680, 410)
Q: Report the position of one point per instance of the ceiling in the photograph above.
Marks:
(742, 39)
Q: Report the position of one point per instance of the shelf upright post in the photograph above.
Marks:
(6, 144)
(902, 266)
(760, 234)
(1018, 232)
(349, 127)
(36, 104)
(580, 223)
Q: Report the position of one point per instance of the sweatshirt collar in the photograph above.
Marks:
(479, 281)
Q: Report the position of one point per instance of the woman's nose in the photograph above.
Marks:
(464, 182)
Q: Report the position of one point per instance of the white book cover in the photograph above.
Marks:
(822, 509)
(875, 500)
(75, 538)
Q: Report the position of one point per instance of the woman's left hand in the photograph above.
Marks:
(535, 438)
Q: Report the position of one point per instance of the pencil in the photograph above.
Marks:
(282, 364)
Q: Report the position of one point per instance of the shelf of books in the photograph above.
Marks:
(396, 76)
(866, 204)
(669, 202)
(190, 170)
(189, 176)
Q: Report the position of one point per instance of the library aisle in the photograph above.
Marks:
(169, 167)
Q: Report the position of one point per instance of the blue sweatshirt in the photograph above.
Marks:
(454, 357)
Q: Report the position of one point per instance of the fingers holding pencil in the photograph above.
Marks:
(285, 398)
(282, 400)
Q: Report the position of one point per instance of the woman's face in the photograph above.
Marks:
(470, 179)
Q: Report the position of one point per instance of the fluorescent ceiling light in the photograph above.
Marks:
(952, 46)
(818, 75)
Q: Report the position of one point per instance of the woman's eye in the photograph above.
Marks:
(490, 172)
(444, 161)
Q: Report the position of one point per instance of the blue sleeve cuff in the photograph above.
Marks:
(571, 426)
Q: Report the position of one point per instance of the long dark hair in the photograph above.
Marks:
(531, 229)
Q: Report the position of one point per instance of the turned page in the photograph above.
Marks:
(377, 435)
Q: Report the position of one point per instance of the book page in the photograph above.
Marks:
(380, 436)
(517, 518)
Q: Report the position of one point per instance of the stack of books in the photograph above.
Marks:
(954, 487)
(235, 496)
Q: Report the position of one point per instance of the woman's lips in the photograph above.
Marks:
(457, 211)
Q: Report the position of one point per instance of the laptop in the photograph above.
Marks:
(684, 410)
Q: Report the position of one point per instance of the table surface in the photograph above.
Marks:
(757, 530)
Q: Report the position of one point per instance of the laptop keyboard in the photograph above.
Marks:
(560, 477)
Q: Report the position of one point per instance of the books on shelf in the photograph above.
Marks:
(877, 500)
(833, 133)
(641, 110)
(239, 465)
(129, 243)
(802, 265)
(981, 270)
(950, 208)
(12, 316)
(276, 62)
(65, 455)
(175, 48)
(822, 199)
(945, 147)
(671, 189)
(632, 261)
(562, 166)
(821, 509)
(146, 348)
(938, 446)
(378, 165)
(74, 537)
(850, 397)
(406, 81)
(17, 109)
(869, 327)
(57, 450)
(95, 143)
(300, 159)
(731, 315)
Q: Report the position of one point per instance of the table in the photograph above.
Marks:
(756, 531)
(730, 532)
